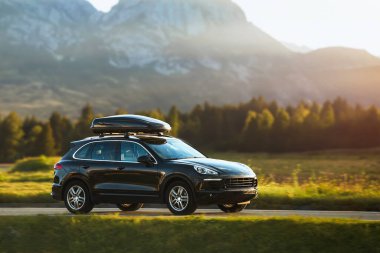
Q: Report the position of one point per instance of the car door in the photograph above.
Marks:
(134, 178)
(100, 160)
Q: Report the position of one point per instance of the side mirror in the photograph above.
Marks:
(146, 159)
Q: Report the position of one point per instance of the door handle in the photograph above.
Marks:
(85, 167)
(121, 168)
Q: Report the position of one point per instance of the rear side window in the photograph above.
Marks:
(83, 152)
(104, 151)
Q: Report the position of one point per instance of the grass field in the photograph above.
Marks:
(331, 180)
(117, 234)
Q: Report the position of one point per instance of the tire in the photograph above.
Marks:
(232, 208)
(129, 207)
(186, 205)
(82, 204)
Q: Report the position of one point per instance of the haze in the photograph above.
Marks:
(314, 24)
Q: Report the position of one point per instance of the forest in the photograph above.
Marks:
(255, 126)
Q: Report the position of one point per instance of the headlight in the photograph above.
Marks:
(205, 171)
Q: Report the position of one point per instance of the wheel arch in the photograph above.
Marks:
(173, 178)
(73, 178)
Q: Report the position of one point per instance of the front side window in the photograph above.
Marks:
(172, 149)
(104, 151)
(130, 151)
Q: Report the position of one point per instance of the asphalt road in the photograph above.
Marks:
(152, 212)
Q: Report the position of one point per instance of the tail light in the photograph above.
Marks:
(58, 166)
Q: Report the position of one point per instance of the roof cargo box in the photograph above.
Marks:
(129, 124)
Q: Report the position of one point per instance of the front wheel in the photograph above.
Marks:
(77, 198)
(179, 199)
(232, 208)
(130, 207)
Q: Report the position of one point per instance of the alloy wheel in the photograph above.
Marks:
(76, 197)
(178, 198)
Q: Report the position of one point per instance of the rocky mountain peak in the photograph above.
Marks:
(44, 24)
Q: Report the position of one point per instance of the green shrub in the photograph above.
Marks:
(30, 164)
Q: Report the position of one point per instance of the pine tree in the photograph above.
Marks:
(82, 128)
(265, 120)
(12, 133)
(299, 115)
(327, 115)
(279, 136)
(67, 134)
(250, 133)
(45, 142)
(56, 126)
(121, 111)
(282, 120)
(31, 143)
(173, 120)
(156, 114)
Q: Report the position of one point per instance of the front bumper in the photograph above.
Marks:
(227, 196)
(227, 190)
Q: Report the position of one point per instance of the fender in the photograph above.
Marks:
(73, 176)
(168, 178)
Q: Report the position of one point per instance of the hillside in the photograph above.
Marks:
(61, 54)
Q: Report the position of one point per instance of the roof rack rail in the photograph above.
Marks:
(128, 134)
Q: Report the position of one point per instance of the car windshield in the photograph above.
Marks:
(172, 149)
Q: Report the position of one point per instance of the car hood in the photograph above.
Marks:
(224, 167)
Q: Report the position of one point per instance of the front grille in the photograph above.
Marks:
(240, 182)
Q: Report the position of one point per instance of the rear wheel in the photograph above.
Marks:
(179, 199)
(130, 207)
(232, 208)
(77, 198)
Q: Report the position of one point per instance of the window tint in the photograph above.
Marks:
(104, 151)
(130, 151)
(83, 153)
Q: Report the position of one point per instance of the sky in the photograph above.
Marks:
(311, 23)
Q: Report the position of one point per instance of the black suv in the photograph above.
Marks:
(129, 170)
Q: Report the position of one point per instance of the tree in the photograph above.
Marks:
(12, 133)
(45, 141)
(282, 120)
(67, 134)
(30, 146)
(121, 111)
(56, 126)
(173, 120)
(28, 124)
(327, 115)
(280, 137)
(250, 133)
(156, 114)
(299, 115)
(82, 128)
(265, 120)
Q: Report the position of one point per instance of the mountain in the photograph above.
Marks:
(49, 25)
(61, 54)
(339, 57)
(297, 48)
